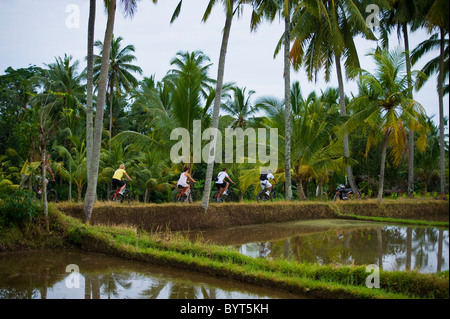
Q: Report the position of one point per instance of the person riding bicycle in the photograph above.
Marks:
(264, 181)
(220, 181)
(183, 180)
(117, 178)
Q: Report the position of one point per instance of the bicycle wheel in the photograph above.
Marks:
(214, 197)
(129, 196)
(187, 198)
(231, 197)
(262, 197)
(52, 196)
(275, 196)
(175, 196)
(112, 196)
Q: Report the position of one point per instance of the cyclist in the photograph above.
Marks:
(220, 180)
(117, 178)
(264, 181)
(183, 180)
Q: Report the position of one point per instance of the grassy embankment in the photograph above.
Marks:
(177, 217)
(170, 249)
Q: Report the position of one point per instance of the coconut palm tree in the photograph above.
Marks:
(175, 102)
(65, 78)
(76, 163)
(315, 144)
(323, 34)
(400, 14)
(94, 153)
(239, 106)
(427, 162)
(232, 7)
(269, 10)
(438, 17)
(120, 74)
(95, 134)
(384, 106)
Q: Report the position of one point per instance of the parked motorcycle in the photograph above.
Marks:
(343, 193)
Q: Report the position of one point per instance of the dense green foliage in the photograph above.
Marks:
(17, 206)
(47, 107)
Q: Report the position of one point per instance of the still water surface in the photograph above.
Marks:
(344, 242)
(42, 274)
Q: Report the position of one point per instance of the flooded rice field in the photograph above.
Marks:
(68, 274)
(340, 242)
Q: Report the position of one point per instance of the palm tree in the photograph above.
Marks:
(94, 153)
(239, 106)
(65, 79)
(384, 106)
(427, 162)
(400, 14)
(153, 172)
(327, 30)
(90, 85)
(437, 17)
(76, 163)
(173, 103)
(315, 145)
(269, 9)
(231, 8)
(93, 149)
(120, 77)
(314, 142)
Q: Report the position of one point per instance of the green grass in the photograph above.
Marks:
(397, 220)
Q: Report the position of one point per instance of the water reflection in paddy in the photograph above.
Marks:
(343, 242)
(42, 274)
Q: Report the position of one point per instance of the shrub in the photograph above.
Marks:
(17, 206)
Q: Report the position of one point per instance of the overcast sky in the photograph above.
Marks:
(34, 32)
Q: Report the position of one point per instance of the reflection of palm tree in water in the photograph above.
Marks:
(178, 290)
(109, 282)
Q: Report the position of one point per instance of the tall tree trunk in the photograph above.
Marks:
(111, 89)
(410, 95)
(441, 113)
(44, 185)
(215, 117)
(287, 102)
(383, 165)
(300, 190)
(90, 85)
(91, 191)
(343, 109)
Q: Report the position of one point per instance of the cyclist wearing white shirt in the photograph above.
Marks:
(220, 181)
(264, 181)
(183, 181)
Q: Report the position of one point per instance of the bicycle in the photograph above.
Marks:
(115, 196)
(218, 196)
(188, 196)
(263, 197)
(52, 194)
